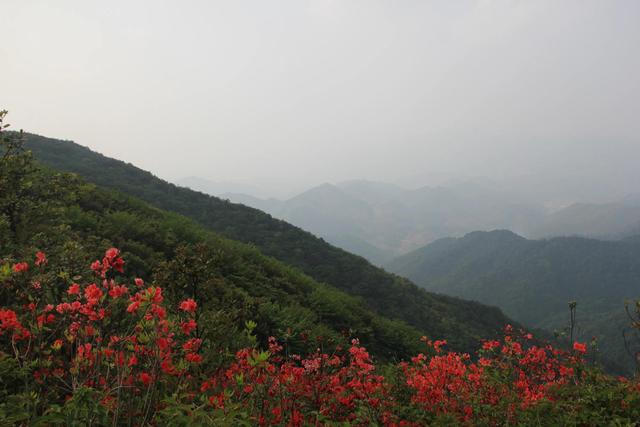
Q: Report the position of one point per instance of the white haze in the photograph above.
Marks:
(541, 96)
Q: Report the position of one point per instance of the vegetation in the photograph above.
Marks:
(533, 280)
(180, 326)
(462, 323)
(73, 221)
(116, 353)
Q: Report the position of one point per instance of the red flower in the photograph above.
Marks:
(192, 345)
(118, 291)
(188, 305)
(139, 282)
(579, 347)
(188, 326)
(133, 307)
(20, 267)
(438, 344)
(74, 289)
(111, 253)
(133, 360)
(93, 294)
(41, 259)
(145, 378)
(96, 266)
(193, 358)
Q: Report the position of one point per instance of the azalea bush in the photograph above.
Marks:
(101, 351)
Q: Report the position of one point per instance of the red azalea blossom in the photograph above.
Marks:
(579, 347)
(20, 267)
(133, 307)
(188, 326)
(41, 259)
(188, 305)
(74, 289)
(81, 340)
(145, 378)
(193, 358)
(93, 294)
(118, 291)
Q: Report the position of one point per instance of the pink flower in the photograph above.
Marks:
(139, 282)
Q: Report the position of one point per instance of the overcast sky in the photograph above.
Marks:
(288, 94)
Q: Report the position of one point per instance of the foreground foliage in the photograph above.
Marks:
(104, 352)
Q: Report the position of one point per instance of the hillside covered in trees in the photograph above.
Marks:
(463, 323)
(534, 280)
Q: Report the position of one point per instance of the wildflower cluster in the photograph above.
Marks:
(141, 357)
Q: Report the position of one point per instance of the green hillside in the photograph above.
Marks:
(533, 280)
(74, 221)
(461, 322)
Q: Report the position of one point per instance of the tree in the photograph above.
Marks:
(16, 165)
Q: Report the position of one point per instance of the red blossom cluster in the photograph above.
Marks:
(452, 383)
(111, 260)
(132, 350)
(298, 390)
(75, 345)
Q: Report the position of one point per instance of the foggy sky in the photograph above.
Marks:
(289, 94)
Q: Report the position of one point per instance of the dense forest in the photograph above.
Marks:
(534, 280)
(461, 322)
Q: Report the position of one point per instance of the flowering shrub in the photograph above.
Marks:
(106, 352)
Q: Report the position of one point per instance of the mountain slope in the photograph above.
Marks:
(460, 322)
(74, 223)
(533, 280)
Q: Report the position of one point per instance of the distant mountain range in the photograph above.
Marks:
(381, 221)
(533, 280)
(609, 221)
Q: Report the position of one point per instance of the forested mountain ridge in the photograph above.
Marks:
(533, 280)
(461, 322)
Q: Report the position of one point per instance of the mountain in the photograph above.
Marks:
(217, 188)
(381, 221)
(461, 322)
(606, 220)
(533, 280)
